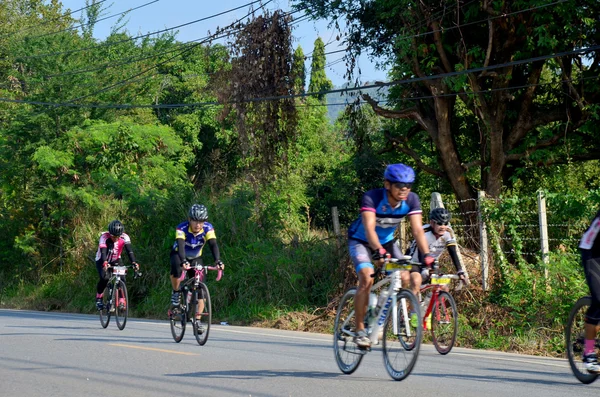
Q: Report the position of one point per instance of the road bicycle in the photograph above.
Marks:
(441, 315)
(189, 303)
(575, 340)
(114, 299)
(387, 323)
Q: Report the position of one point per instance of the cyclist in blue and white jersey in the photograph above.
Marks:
(190, 238)
(371, 236)
(590, 257)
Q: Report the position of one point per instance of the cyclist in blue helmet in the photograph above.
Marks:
(371, 236)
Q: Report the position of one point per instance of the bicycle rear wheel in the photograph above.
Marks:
(575, 339)
(105, 312)
(347, 354)
(178, 319)
(444, 323)
(397, 358)
(121, 310)
(202, 326)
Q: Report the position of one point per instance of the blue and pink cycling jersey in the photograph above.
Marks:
(387, 217)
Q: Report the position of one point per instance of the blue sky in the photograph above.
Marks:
(168, 13)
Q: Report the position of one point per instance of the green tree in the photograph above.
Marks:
(319, 81)
(501, 85)
(299, 71)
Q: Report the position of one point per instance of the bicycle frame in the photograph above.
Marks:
(192, 283)
(115, 278)
(436, 285)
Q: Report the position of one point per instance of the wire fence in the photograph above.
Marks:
(516, 229)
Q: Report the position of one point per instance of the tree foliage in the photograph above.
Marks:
(319, 82)
(495, 86)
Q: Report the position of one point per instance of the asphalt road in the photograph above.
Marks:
(58, 354)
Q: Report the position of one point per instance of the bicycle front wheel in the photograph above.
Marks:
(444, 323)
(178, 318)
(105, 312)
(202, 325)
(400, 357)
(347, 354)
(575, 339)
(121, 305)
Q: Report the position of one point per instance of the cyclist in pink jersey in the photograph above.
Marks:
(590, 257)
(110, 247)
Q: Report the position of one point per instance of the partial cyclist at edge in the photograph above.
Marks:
(190, 238)
(439, 236)
(110, 247)
(371, 236)
(590, 258)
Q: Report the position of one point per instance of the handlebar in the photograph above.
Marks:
(136, 273)
(198, 267)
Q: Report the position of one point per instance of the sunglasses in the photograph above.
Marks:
(402, 185)
(441, 223)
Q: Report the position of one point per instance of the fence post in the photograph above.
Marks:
(541, 199)
(436, 201)
(483, 253)
(336, 221)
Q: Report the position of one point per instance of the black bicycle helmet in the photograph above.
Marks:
(198, 212)
(440, 215)
(399, 173)
(116, 228)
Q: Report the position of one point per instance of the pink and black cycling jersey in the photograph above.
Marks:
(113, 249)
(590, 241)
(387, 217)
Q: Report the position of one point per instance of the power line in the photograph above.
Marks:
(84, 24)
(133, 38)
(341, 90)
(52, 20)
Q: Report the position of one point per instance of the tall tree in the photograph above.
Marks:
(299, 71)
(318, 78)
(493, 85)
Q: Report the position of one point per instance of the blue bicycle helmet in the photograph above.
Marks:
(399, 173)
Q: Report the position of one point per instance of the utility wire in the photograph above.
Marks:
(84, 24)
(341, 90)
(133, 38)
(52, 20)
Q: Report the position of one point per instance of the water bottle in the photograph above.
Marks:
(382, 299)
(371, 312)
(425, 301)
(189, 297)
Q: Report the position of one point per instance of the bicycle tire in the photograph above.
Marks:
(202, 328)
(105, 312)
(444, 323)
(121, 313)
(575, 340)
(347, 354)
(178, 319)
(398, 360)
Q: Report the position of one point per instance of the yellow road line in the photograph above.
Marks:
(153, 349)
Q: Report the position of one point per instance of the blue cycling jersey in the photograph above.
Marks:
(193, 242)
(387, 217)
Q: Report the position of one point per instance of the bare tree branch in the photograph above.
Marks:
(401, 143)
(410, 113)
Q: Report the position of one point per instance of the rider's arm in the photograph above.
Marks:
(416, 225)
(103, 254)
(129, 251)
(369, 222)
(453, 251)
(214, 249)
(181, 249)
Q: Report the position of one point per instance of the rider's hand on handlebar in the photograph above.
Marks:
(136, 266)
(220, 264)
(105, 264)
(380, 255)
(186, 265)
(464, 277)
(428, 260)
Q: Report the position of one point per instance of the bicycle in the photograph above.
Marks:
(188, 305)
(575, 340)
(400, 342)
(441, 315)
(114, 298)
